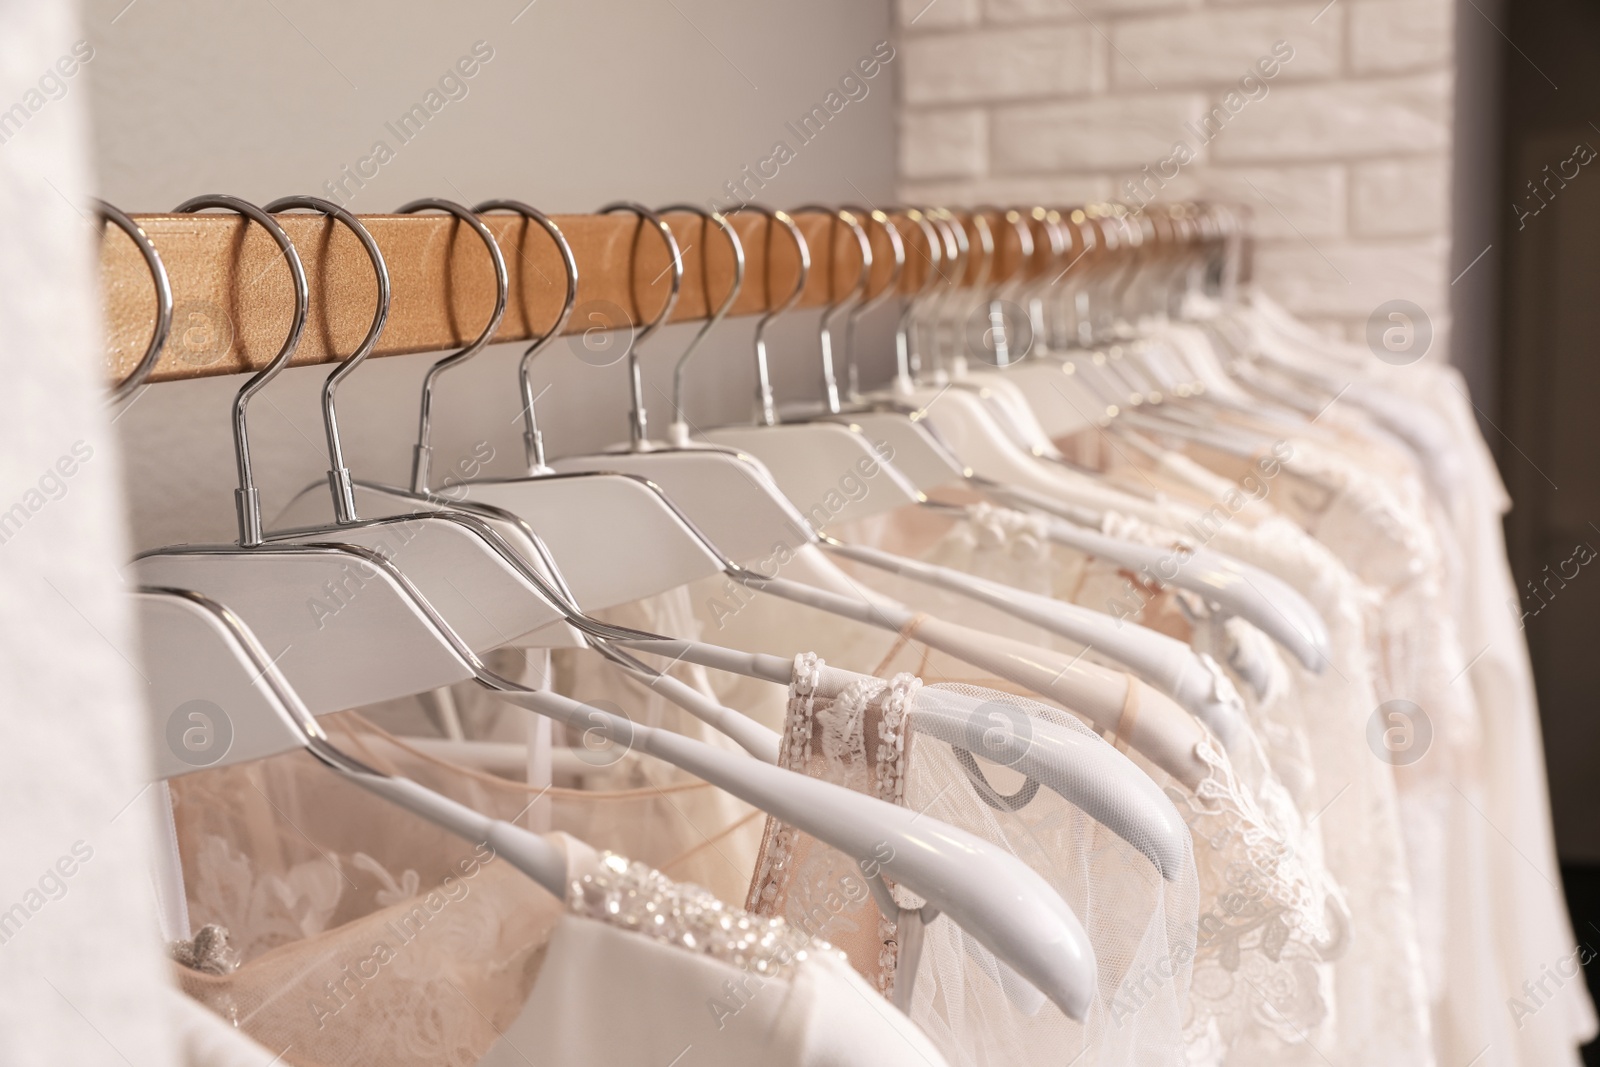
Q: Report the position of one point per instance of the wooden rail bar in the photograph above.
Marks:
(232, 299)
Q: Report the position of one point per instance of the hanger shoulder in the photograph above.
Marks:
(830, 471)
(208, 702)
(728, 495)
(488, 601)
(914, 451)
(332, 618)
(614, 536)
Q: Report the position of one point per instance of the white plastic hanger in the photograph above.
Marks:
(1166, 738)
(742, 493)
(210, 677)
(471, 552)
(1235, 588)
(1175, 669)
(809, 460)
(488, 590)
(995, 897)
(386, 640)
(590, 523)
(1102, 781)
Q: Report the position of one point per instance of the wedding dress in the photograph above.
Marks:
(1381, 992)
(1011, 548)
(1362, 485)
(344, 932)
(859, 731)
(1503, 788)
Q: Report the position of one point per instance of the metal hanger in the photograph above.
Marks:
(995, 897)
(533, 440)
(319, 583)
(678, 431)
(1163, 662)
(453, 558)
(491, 593)
(807, 460)
(199, 655)
(390, 637)
(163, 288)
(1236, 588)
(727, 494)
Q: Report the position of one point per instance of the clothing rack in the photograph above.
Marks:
(232, 298)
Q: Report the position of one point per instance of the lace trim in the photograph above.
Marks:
(793, 754)
(642, 900)
(892, 754)
(1266, 930)
(1230, 817)
(840, 730)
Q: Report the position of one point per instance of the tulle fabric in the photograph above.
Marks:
(367, 936)
(1263, 978)
(1491, 916)
(1317, 744)
(1142, 927)
(859, 731)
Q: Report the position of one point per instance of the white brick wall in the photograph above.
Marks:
(1343, 154)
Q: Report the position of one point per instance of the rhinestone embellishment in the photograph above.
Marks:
(640, 899)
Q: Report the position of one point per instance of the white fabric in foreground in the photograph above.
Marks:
(606, 997)
(80, 959)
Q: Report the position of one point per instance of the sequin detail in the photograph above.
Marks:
(638, 898)
(211, 951)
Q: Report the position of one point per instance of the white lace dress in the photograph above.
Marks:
(859, 731)
(436, 953)
(1244, 1007)
(1495, 792)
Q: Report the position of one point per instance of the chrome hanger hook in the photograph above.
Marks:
(679, 429)
(830, 382)
(422, 451)
(988, 248)
(999, 326)
(897, 246)
(958, 254)
(1035, 294)
(766, 404)
(247, 501)
(638, 432)
(906, 362)
(339, 483)
(532, 439)
(158, 276)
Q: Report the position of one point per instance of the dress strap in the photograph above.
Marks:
(907, 632)
(1123, 737)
